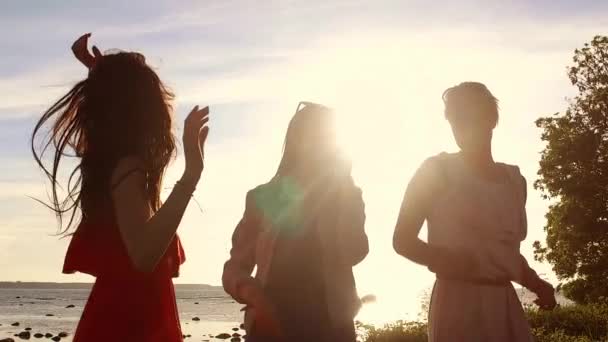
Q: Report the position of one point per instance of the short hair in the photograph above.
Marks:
(473, 99)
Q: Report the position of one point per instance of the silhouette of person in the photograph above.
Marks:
(118, 122)
(304, 231)
(476, 218)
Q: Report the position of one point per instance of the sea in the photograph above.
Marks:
(51, 308)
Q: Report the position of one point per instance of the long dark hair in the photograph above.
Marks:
(306, 136)
(121, 109)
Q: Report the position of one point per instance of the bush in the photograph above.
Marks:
(540, 335)
(400, 331)
(573, 323)
(589, 321)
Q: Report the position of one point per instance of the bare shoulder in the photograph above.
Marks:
(126, 168)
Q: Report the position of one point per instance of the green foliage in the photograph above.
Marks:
(574, 174)
(399, 331)
(575, 323)
(540, 335)
(588, 321)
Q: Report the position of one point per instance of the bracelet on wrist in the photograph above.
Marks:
(190, 188)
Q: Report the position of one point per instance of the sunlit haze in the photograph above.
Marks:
(381, 65)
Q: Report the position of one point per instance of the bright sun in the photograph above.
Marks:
(385, 108)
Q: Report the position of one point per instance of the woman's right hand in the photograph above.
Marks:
(195, 135)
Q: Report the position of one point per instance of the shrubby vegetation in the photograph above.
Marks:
(573, 323)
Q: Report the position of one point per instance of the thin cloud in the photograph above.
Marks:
(384, 65)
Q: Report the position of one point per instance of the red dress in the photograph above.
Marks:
(124, 304)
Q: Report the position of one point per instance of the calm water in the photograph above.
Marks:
(218, 312)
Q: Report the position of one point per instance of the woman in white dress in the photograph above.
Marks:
(475, 213)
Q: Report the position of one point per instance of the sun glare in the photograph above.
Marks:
(386, 105)
(380, 125)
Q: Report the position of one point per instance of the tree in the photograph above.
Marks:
(574, 175)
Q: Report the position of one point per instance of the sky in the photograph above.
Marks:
(382, 65)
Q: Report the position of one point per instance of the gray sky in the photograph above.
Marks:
(382, 64)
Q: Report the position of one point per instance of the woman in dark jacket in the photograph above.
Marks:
(304, 230)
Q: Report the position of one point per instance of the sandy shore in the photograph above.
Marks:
(205, 312)
(193, 331)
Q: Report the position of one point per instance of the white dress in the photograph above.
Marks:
(489, 220)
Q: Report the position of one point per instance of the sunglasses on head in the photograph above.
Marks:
(304, 104)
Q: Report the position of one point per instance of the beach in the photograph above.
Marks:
(206, 312)
(45, 312)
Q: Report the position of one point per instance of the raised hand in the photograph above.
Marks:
(80, 48)
(195, 135)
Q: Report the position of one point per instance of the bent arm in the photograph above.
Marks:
(238, 268)
(415, 208)
(406, 241)
(146, 234)
(405, 237)
(352, 240)
(528, 278)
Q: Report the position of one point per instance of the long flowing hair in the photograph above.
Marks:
(122, 109)
(292, 198)
(310, 131)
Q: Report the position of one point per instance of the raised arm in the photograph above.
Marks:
(147, 234)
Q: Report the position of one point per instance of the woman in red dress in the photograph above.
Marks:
(118, 123)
